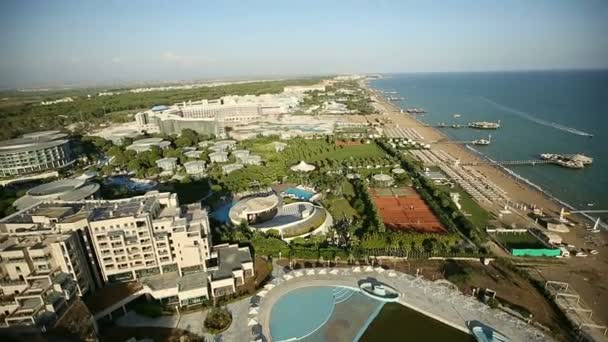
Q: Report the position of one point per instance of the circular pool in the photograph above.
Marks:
(301, 312)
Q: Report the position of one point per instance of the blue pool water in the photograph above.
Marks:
(301, 312)
(299, 193)
(221, 213)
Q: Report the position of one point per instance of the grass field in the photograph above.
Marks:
(339, 208)
(478, 216)
(518, 240)
(352, 152)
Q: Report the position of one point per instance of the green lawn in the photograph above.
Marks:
(478, 216)
(352, 152)
(518, 240)
(339, 208)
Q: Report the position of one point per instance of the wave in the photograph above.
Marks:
(532, 118)
(528, 182)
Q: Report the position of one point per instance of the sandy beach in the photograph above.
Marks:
(593, 292)
(517, 190)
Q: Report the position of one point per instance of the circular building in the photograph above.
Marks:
(34, 152)
(255, 209)
(267, 212)
(72, 189)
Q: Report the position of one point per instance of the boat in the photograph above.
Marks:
(456, 126)
(484, 124)
(483, 141)
(415, 110)
(573, 161)
(456, 115)
(484, 333)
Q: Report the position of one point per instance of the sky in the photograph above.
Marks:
(61, 42)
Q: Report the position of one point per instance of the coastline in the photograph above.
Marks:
(519, 188)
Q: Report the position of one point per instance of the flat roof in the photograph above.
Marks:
(172, 279)
(25, 145)
(254, 205)
(230, 258)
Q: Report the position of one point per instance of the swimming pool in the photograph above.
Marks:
(220, 214)
(322, 313)
(299, 193)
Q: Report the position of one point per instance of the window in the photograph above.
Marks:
(17, 268)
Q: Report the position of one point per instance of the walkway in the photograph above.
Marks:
(193, 322)
(435, 299)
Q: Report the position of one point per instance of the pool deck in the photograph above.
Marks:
(434, 299)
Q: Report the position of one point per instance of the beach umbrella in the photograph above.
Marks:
(253, 311)
(357, 269)
(252, 322)
(268, 286)
(262, 293)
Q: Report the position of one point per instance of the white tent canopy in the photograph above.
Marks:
(303, 167)
(252, 322)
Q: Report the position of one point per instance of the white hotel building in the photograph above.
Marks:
(149, 239)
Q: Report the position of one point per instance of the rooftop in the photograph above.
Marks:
(230, 258)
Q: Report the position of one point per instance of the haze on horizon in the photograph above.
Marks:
(52, 43)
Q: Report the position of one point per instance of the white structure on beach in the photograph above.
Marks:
(218, 157)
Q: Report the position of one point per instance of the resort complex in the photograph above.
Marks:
(309, 210)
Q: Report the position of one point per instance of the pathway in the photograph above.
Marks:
(193, 322)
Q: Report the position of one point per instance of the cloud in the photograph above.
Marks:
(117, 60)
(184, 60)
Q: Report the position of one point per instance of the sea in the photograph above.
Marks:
(540, 112)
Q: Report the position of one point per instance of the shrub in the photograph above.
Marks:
(218, 320)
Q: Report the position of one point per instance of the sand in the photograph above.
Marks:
(574, 270)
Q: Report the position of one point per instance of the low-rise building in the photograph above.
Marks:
(143, 145)
(167, 164)
(42, 299)
(251, 160)
(229, 168)
(195, 167)
(218, 157)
